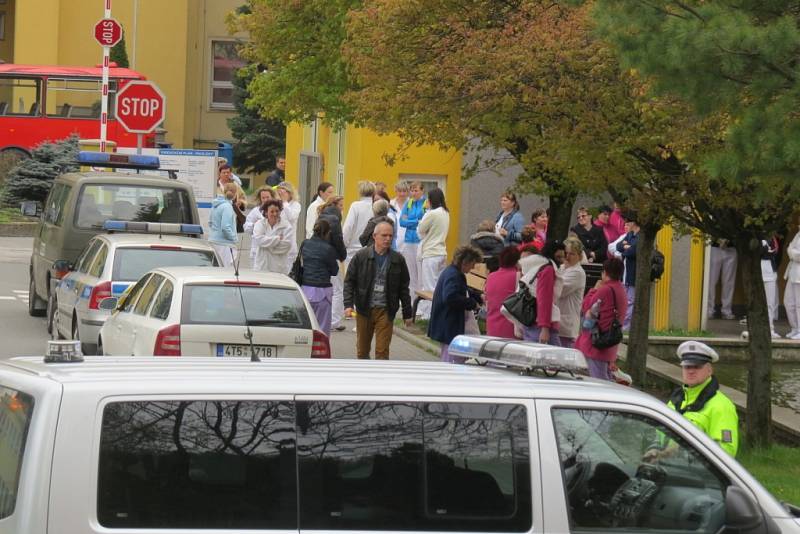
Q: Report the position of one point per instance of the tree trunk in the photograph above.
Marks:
(560, 214)
(640, 320)
(759, 382)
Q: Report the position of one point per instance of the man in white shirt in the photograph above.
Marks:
(324, 192)
(358, 216)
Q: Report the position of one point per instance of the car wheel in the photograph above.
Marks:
(36, 306)
(51, 315)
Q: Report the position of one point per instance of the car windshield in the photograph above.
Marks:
(101, 202)
(263, 306)
(130, 264)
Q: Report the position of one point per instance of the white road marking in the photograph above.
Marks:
(8, 298)
(20, 291)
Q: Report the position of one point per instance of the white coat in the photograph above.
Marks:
(274, 244)
(570, 300)
(792, 273)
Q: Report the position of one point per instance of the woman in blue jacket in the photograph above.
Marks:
(410, 216)
(509, 222)
(222, 225)
(452, 299)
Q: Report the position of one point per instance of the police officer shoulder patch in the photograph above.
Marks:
(727, 436)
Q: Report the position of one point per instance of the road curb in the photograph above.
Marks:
(18, 229)
(428, 346)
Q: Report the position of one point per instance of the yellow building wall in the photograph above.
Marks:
(363, 161)
(169, 43)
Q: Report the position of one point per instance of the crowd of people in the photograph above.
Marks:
(385, 251)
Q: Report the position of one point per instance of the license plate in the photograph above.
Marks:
(262, 351)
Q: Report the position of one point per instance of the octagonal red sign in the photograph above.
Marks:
(140, 107)
(108, 32)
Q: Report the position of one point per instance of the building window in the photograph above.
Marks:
(225, 63)
(2, 25)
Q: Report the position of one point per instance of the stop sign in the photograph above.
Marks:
(108, 32)
(140, 107)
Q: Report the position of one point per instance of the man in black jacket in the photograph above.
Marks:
(592, 237)
(279, 174)
(377, 284)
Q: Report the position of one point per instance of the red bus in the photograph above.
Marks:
(47, 103)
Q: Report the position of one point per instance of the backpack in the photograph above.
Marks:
(656, 265)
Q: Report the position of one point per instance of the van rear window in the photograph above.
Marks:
(130, 264)
(101, 202)
(16, 409)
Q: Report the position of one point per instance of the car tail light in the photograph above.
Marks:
(320, 347)
(168, 341)
(99, 292)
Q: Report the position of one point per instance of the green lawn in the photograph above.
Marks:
(680, 332)
(13, 215)
(777, 468)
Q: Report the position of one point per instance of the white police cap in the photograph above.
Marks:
(696, 353)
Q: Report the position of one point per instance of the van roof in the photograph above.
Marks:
(120, 178)
(203, 375)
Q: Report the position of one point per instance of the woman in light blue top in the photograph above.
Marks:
(222, 225)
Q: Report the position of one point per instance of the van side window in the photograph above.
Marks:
(222, 464)
(413, 466)
(56, 200)
(624, 470)
(16, 409)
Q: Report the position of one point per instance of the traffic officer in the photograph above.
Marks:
(699, 399)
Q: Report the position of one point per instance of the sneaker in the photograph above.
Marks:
(728, 316)
(795, 337)
(791, 333)
(339, 328)
(775, 335)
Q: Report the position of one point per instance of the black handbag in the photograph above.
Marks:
(521, 305)
(296, 273)
(612, 336)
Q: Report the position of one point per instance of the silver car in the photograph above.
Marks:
(108, 265)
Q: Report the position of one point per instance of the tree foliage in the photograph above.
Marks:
(32, 178)
(119, 53)
(731, 66)
(260, 140)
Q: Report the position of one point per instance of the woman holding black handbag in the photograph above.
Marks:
(603, 312)
(313, 268)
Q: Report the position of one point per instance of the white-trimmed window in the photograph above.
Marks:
(225, 61)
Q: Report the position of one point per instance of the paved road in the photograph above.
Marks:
(21, 334)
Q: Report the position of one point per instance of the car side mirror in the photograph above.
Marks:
(742, 515)
(108, 303)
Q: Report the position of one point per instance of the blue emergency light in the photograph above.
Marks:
(152, 228)
(119, 161)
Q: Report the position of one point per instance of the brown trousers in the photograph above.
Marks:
(379, 325)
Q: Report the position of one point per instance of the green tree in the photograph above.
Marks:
(735, 63)
(119, 53)
(32, 178)
(260, 140)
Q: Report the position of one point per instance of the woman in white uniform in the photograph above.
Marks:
(273, 236)
(291, 213)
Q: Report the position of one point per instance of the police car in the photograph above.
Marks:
(111, 263)
(162, 445)
(201, 311)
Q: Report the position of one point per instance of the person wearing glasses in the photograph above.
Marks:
(592, 237)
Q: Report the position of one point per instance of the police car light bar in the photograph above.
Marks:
(523, 355)
(118, 161)
(152, 228)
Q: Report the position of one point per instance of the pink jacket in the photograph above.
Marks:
(615, 226)
(545, 298)
(606, 317)
(499, 285)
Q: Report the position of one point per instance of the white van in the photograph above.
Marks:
(179, 445)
